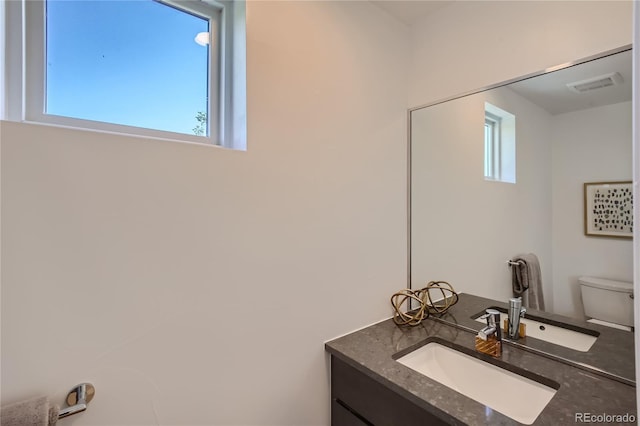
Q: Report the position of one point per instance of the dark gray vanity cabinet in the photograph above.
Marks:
(358, 400)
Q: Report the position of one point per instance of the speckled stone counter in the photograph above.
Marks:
(373, 351)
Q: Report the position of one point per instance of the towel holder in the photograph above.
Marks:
(77, 399)
(511, 263)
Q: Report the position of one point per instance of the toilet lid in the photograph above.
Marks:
(606, 284)
(609, 324)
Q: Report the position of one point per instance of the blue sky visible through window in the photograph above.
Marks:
(131, 62)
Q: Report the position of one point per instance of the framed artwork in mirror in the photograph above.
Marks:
(608, 209)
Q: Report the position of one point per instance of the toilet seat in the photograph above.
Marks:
(609, 324)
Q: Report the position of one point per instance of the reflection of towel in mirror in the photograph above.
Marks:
(527, 276)
(34, 412)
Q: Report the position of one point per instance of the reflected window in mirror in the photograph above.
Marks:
(491, 145)
(499, 144)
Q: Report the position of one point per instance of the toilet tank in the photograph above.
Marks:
(607, 300)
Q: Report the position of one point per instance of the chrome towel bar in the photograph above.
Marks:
(77, 399)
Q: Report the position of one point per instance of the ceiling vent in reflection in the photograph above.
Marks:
(594, 83)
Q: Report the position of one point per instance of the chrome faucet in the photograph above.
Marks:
(516, 311)
(493, 325)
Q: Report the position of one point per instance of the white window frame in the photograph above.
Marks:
(492, 147)
(24, 74)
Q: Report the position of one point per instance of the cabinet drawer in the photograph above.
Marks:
(373, 401)
(341, 416)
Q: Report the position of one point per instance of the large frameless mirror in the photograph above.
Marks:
(502, 172)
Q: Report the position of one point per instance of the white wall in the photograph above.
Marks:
(469, 45)
(592, 145)
(465, 228)
(194, 285)
(473, 44)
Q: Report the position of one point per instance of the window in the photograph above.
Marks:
(499, 144)
(491, 146)
(160, 68)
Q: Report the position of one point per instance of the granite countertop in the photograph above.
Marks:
(373, 351)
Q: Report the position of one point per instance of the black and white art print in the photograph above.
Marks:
(608, 209)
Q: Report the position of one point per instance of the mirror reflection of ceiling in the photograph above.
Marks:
(550, 91)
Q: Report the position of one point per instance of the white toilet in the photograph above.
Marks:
(607, 302)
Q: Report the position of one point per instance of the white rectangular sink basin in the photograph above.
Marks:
(553, 334)
(515, 396)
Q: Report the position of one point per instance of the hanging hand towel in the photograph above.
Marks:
(34, 412)
(527, 276)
